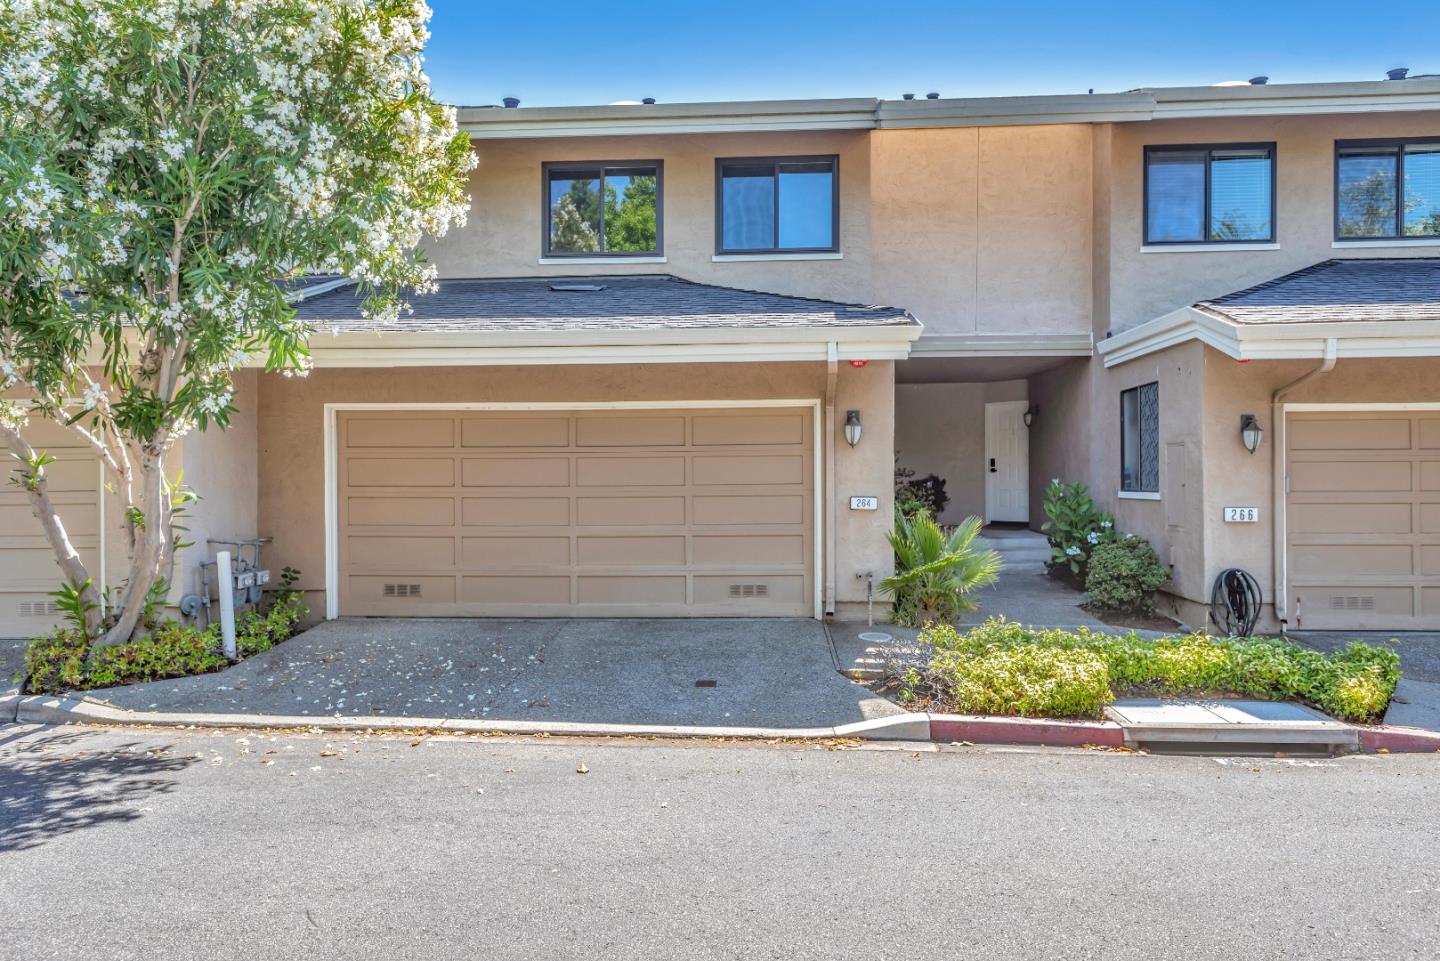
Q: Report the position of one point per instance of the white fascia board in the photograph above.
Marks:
(743, 116)
(1168, 330)
(1005, 345)
(1273, 341)
(409, 349)
(1016, 111)
(1368, 96)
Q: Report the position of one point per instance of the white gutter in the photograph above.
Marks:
(1280, 481)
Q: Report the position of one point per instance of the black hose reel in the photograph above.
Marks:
(1235, 602)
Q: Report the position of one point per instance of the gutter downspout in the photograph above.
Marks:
(832, 369)
(1280, 481)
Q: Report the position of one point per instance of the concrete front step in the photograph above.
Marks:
(1230, 727)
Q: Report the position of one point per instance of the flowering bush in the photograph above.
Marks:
(1075, 525)
(1124, 575)
(165, 166)
(1005, 668)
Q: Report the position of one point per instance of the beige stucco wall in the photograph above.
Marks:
(1146, 285)
(503, 237)
(291, 437)
(940, 429)
(1234, 477)
(220, 466)
(984, 230)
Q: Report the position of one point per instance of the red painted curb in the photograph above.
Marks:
(1024, 730)
(1399, 740)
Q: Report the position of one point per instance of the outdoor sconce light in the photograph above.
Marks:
(1030, 414)
(852, 427)
(1250, 432)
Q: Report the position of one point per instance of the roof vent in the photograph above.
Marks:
(1259, 81)
(649, 101)
(1398, 73)
(577, 288)
(932, 96)
(907, 96)
(511, 102)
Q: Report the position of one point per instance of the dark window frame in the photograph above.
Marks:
(720, 162)
(1136, 390)
(1400, 143)
(1210, 149)
(549, 166)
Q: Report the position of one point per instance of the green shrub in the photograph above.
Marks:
(915, 494)
(1075, 525)
(65, 661)
(1123, 575)
(936, 572)
(1355, 684)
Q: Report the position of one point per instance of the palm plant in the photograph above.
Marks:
(936, 572)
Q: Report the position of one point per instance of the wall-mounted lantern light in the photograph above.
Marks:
(1251, 432)
(1030, 414)
(852, 427)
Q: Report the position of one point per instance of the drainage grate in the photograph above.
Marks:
(705, 682)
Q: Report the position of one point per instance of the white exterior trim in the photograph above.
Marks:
(332, 471)
(1007, 345)
(1138, 495)
(1204, 248)
(701, 345)
(599, 261)
(1378, 244)
(760, 258)
(1410, 338)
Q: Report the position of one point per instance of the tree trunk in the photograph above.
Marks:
(147, 558)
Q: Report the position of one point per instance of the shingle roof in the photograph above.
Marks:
(646, 302)
(1339, 291)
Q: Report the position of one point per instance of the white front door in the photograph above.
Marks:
(1007, 462)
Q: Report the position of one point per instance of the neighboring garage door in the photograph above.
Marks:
(1363, 520)
(28, 572)
(636, 513)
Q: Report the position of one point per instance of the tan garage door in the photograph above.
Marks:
(643, 513)
(28, 572)
(1363, 520)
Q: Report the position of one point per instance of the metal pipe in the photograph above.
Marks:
(832, 371)
(226, 576)
(1279, 482)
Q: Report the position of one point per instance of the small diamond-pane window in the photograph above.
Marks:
(1140, 438)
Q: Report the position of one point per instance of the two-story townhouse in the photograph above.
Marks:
(652, 381)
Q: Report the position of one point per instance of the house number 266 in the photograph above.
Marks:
(1242, 515)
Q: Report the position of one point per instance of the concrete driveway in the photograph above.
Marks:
(765, 673)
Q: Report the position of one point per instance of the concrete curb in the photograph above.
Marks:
(9, 707)
(42, 709)
(982, 729)
(1399, 740)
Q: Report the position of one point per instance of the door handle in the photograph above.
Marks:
(993, 469)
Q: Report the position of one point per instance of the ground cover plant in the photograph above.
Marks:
(1002, 667)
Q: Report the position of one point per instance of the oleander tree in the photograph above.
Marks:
(166, 166)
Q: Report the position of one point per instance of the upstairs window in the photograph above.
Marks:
(786, 205)
(1387, 189)
(602, 210)
(1140, 439)
(1210, 194)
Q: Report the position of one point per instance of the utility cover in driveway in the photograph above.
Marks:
(582, 513)
(1223, 726)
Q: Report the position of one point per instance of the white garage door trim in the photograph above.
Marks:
(332, 486)
(1282, 501)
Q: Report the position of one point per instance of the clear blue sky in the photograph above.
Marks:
(563, 52)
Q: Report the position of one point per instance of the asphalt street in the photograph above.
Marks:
(161, 844)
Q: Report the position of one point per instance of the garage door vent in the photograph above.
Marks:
(402, 590)
(1352, 602)
(749, 590)
(38, 608)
